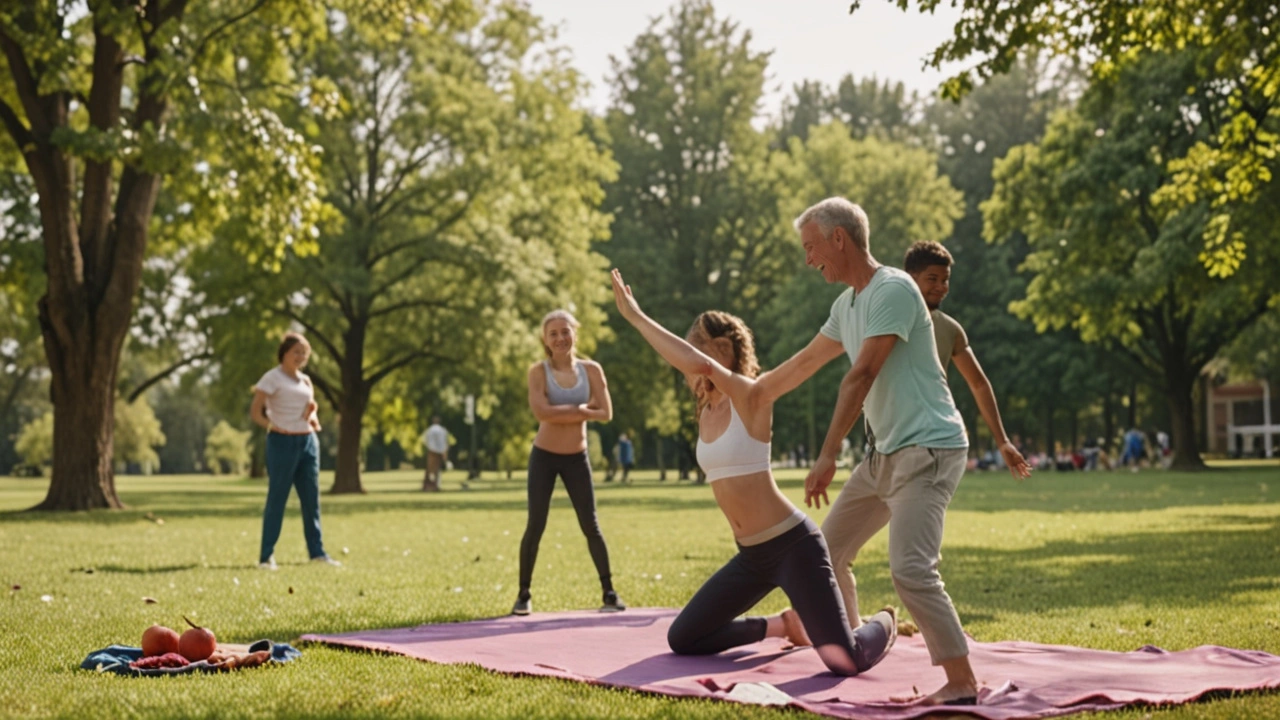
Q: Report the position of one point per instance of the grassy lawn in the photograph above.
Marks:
(1102, 560)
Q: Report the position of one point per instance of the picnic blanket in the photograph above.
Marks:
(629, 649)
(116, 659)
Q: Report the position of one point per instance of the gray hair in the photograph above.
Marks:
(837, 212)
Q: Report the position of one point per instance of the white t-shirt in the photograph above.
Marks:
(436, 438)
(287, 399)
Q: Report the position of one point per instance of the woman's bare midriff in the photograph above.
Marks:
(751, 503)
(561, 438)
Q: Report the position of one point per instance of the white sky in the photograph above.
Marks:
(810, 39)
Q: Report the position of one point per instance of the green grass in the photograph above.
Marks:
(1102, 560)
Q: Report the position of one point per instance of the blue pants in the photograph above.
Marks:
(293, 461)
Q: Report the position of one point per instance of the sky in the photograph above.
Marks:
(810, 39)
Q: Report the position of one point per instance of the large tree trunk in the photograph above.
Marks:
(1133, 405)
(93, 260)
(352, 404)
(83, 390)
(662, 460)
(1186, 452)
(1049, 439)
(1108, 422)
(346, 474)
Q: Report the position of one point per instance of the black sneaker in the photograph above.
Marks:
(612, 603)
(523, 606)
(875, 638)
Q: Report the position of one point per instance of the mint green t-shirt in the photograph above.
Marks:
(909, 402)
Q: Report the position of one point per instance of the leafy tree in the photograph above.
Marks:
(866, 106)
(21, 283)
(35, 442)
(1111, 261)
(137, 434)
(186, 413)
(870, 108)
(696, 223)
(1256, 352)
(105, 105)
(1232, 163)
(1025, 367)
(226, 446)
(465, 198)
(807, 106)
(905, 200)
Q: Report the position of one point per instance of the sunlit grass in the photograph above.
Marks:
(1104, 560)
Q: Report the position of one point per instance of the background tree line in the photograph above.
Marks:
(414, 183)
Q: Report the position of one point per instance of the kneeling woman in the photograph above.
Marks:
(778, 545)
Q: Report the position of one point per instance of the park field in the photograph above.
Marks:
(1102, 560)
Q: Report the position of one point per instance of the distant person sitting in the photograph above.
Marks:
(626, 456)
(1091, 451)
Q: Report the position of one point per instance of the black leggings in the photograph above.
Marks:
(796, 561)
(575, 470)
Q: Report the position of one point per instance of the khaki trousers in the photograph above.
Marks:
(909, 491)
(435, 463)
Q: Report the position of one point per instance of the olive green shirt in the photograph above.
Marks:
(949, 336)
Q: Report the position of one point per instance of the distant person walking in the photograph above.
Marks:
(284, 404)
(626, 456)
(564, 393)
(436, 440)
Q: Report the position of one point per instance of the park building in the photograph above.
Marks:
(1243, 419)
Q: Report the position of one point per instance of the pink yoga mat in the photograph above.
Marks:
(629, 649)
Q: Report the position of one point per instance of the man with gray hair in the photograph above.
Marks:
(882, 324)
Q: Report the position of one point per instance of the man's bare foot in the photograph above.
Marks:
(795, 631)
(948, 694)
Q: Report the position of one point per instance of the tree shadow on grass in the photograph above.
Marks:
(1107, 491)
(145, 570)
(1172, 569)
(184, 504)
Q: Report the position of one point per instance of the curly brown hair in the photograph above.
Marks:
(713, 325)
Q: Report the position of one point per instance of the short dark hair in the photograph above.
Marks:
(287, 342)
(924, 254)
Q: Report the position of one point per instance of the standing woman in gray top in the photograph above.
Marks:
(564, 393)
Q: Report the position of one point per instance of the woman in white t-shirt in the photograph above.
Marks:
(284, 403)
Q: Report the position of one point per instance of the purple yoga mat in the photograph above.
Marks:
(629, 649)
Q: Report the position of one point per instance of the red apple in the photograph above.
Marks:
(197, 644)
(158, 640)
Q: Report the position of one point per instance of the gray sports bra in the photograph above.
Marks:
(579, 394)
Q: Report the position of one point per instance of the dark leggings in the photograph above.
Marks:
(575, 470)
(796, 561)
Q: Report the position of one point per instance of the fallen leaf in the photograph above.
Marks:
(149, 600)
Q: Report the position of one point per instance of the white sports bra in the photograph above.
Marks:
(734, 453)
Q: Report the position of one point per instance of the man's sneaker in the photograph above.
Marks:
(612, 603)
(875, 638)
(268, 564)
(523, 606)
(325, 560)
